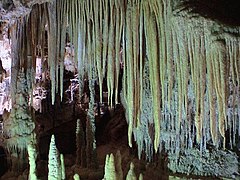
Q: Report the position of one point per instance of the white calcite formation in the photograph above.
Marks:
(76, 177)
(180, 68)
(131, 174)
(62, 167)
(113, 167)
(110, 171)
(32, 156)
(54, 163)
(19, 126)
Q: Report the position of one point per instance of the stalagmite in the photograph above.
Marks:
(131, 174)
(32, 156)
(118, 165)
(80, 144)
(62, 167)
(113, 167)
(54, 164)
(110, 171)
(76, 177)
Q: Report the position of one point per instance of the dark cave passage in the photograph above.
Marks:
(3, 161)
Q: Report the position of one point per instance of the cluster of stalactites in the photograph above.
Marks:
(206, 78)
(106, 34)
(193, 74)
(30, 41)
(95, 28)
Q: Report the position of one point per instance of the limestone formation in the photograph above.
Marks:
(19, 125)
(63, 173)
(131, 174)
(80, 145)
(178, 61)
(113, 167)
(54, 163)
(110, 171)
(32, 156)
(76, 177)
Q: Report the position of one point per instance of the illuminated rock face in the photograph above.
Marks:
(19, 126)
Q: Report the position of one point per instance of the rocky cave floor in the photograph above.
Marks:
(111, 135)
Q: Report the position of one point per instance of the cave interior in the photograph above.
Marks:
(119, 89)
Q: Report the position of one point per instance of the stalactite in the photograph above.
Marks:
(124, 79)
(141, 134)
(129, 75)
(31, 54)
(75, 28)
(136, 19)
(105, 35)
(211, 95)
(119, 28)
(15, 46)
(52, 38)
(98, 32)
(82, 53)
(151, 46)
(169, 65)
(217, 58)
(159, 12)
(141, 63)
(111, 55)
(57, 46)
(62, 43)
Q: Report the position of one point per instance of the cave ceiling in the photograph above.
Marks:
(223, 12)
